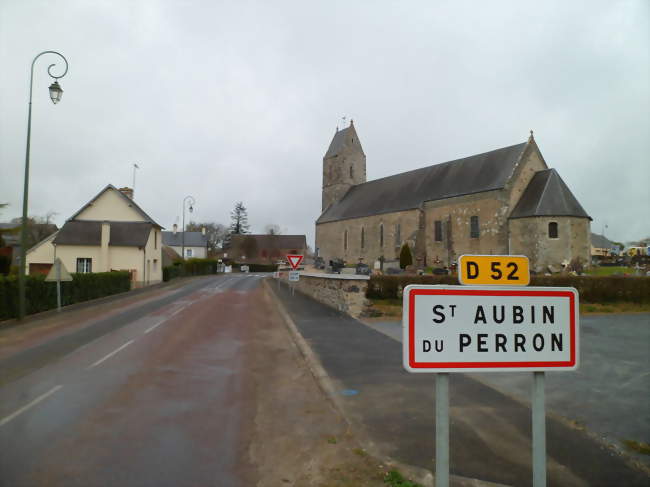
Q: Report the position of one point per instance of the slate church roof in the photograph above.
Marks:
(548, 195)
(406, 191)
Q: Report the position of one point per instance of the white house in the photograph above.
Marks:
(194, 243)
(110, 232)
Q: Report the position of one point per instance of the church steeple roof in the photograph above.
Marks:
(342, 138)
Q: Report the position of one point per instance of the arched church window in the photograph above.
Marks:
(351, 172)
(363, 238)
(381, 235)
(345, 240)
(552, 230)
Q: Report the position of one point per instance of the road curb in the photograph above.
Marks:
(418, 474)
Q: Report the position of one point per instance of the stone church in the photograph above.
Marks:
(506, 201)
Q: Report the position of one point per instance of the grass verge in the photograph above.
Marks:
(637, 446)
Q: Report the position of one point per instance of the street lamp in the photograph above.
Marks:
(55, 95)
(192, 202)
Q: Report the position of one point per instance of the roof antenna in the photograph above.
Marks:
(135, 166)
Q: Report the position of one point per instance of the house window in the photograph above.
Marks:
(84, 265)
(437, 230)
(188, 252)
(552, 230)
(155, 239)
(363, 238)
(345, 240)
(381, 235)
(473, 224)
(398, 235)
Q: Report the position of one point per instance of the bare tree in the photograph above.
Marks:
(272, 229)
(216, 233)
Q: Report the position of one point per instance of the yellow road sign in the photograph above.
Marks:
(496, 270)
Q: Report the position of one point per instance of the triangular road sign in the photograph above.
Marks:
(294, 260)
(61, 275)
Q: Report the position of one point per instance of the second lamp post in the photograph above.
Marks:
(192, 203)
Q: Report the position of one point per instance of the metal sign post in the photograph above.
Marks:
(442, 430)
(539, 430)
(294, 275)
(58, 273)
(58, 284)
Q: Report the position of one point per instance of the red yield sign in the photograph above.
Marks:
(294, 260)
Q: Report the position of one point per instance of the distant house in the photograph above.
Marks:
(110, 232)
(601, 247)
(169, 255)
(195, 243)
(264, 249)
(10, 233)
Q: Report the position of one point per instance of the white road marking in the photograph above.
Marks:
(111, 354)
(31, 404)
(176, 312)
(154, 326)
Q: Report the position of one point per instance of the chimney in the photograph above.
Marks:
(203, 231)
(175, 227)
(126, 191)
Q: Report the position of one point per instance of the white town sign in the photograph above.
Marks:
(482, 329)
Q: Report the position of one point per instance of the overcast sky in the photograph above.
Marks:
(229, 101)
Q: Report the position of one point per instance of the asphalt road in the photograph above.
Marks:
(609, 392)
(155, 395)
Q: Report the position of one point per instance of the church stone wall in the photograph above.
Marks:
(530, 237)
(530, 163)
(455, 214)
(330, 237)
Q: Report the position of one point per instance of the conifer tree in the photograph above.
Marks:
(239, 219)
(405, 257)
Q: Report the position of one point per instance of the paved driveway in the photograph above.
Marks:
(608, 394)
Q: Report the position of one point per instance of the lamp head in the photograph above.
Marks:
(56, 92)
(191, 208)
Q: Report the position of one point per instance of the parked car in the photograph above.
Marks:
(336, 265)
(363, 269)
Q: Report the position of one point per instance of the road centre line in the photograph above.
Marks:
(154, 326)
(110, 354)
(29, 405)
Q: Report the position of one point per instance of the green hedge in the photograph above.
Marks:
(41, 295)
(606, 289)
(200, 267)
(261, 267)
(190, 267)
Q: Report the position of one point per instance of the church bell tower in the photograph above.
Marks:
(344, 165)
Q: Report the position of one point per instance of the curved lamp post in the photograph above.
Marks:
(55, 95)
(192, 203)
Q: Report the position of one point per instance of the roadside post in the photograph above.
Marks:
(294, 275)
(58, 273)
(497, 326)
